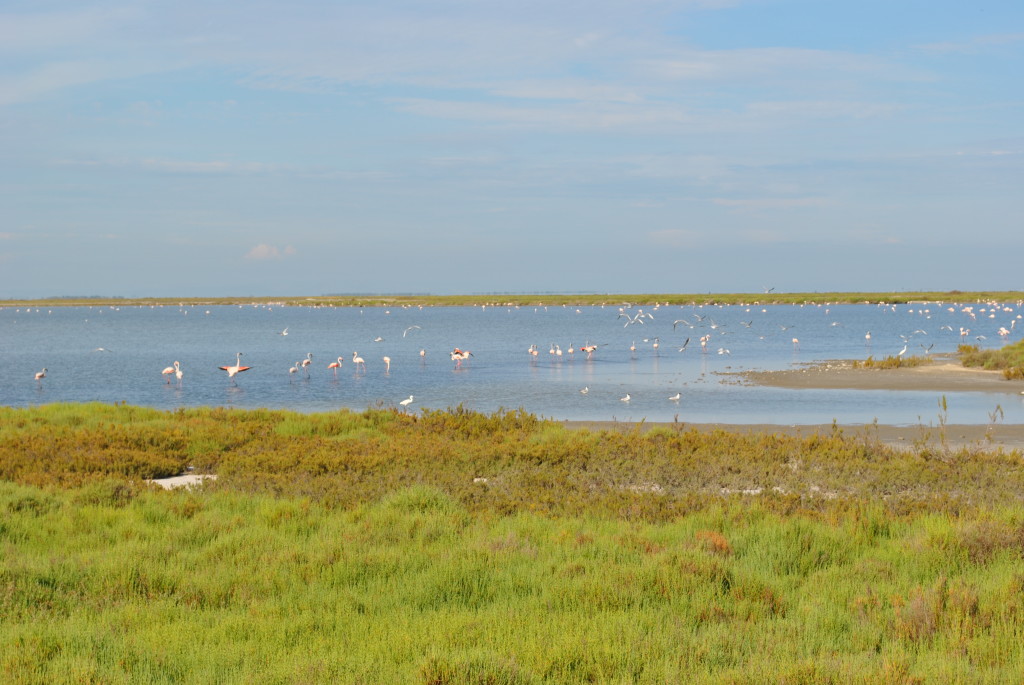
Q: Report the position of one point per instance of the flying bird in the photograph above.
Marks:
(408, 329)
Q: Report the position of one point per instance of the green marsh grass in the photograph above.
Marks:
(1009, 359)
(891, 362)
(366, 547)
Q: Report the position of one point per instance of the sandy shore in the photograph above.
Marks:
(941, 376)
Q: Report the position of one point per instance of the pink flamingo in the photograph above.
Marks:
(170, 371)
(236, 369)
(459, 355)
(336, 365)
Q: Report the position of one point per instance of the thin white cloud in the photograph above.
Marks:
(566, 116)
(975, 45)
(777, 65)
(677, 237)
(264, 252)
(175, 166)
(771, 202)
(62, 29)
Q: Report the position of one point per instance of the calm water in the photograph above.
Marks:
(138, 342)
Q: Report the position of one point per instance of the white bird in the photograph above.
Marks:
(387, 365)
(378, 339)
(625, 399)
(675, 398)
(408, 329)
(357, 360)
(40, 375)
(178, 373)
(406, 402)
(284, 332)
(295, 368)
(584, 390)
(903, 351)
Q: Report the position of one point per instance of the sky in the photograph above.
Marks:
(228, 148)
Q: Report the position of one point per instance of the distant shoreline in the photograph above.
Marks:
(529, 299)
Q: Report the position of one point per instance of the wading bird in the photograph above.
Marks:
(357, 360)
(236, 369)
(336, 365)
(387, 365)
(407, 401)
(170, 371)
(40, 375)
(459, 355)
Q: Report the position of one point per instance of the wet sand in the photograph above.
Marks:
(942, 376)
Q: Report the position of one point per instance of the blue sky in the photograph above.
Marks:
(463, 146)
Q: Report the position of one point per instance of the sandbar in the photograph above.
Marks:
(942, 375)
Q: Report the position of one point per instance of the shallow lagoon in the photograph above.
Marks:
(138, 342)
